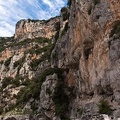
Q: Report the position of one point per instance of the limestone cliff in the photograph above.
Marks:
(23, 58)
(35, 28)
(70, 65)
(90, 52)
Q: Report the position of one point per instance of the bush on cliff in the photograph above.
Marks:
(32, 90)
(104, 107)
(7, 62)
(96, 1)
(69, 2)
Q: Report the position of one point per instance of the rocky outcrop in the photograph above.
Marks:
(27, 60)
(46, 104)
(36, 28)
(86, 47)
(89, 50)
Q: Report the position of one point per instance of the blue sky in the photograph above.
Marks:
(12, 11)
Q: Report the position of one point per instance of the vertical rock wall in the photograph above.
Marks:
(90, 52)
(35, 28)
(86, 47)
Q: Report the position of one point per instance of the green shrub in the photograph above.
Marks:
(104, 107)
(69, 2)
(35, 62)
(96, 2)
(46, 56)
(23, 96)
(1, 110)
(80, 111)
(89, 10)
(15, 82)
(29, 20)
(51, 71)
(27, 41)
(9, 80)
(4, 42)
(19, 62)
(25, 81)
(1, 90)
(7, 62)
(57, 26)
(11, 107)
(60, 98)
(16, 63)
(48, 91)
(6, 81)
(32, 90)
(38, 50)
(116, 28)
(65, 13)
(34, 107)
(1, 62)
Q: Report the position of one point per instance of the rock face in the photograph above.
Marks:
(89, 49)
(27, 60)
(76, 74)
(35, 28)
(47, 91)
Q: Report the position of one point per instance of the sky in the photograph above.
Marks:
(11, 11)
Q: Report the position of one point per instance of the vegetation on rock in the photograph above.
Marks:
(65, 29)
(32, 89)
(5, 41)
(104, 107)
(65, 13)
(7, 62)
(96, 1)
(60, 98)
(69, 2)
(116, 28)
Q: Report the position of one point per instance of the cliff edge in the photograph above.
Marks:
(66, 68)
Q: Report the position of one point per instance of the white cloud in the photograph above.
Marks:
(47, 2)
(5, 32)
(12, 11)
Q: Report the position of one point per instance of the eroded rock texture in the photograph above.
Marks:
(90, 50)
(35, 28)
(85, 45)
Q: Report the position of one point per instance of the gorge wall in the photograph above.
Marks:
(71, 71)
(35, 28)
